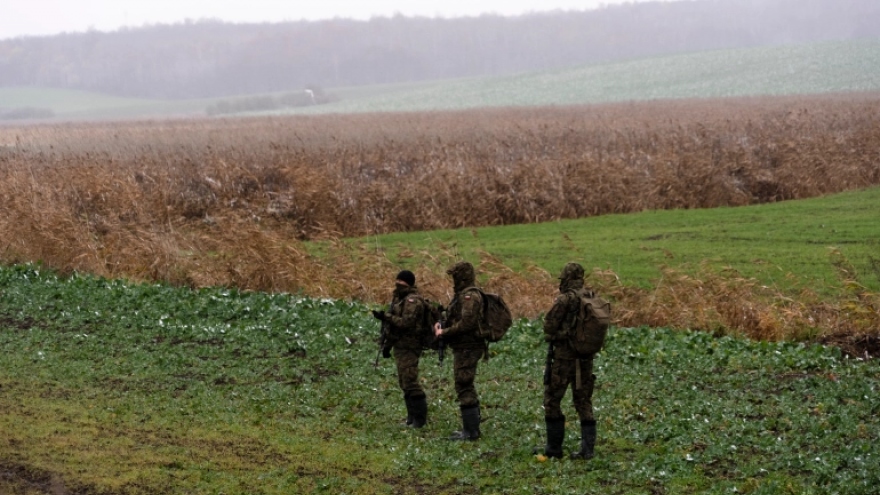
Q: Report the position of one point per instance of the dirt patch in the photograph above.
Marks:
(21, 480)
(26, 324)
(855, 346)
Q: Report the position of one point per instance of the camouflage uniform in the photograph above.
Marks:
(406, 329)
(568, 368)
(463, 318)
(406, 317)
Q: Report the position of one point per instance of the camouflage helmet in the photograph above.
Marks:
(572, 277)
(462, 273)
(572, 271)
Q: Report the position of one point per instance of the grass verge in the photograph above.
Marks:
(790, 245)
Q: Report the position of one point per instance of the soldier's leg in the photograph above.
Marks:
(465, 364)
(583, 403)
(554, 419)
(465, 368)
(407, 361)
(555, 390)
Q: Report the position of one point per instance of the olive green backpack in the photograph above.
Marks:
(587, 333)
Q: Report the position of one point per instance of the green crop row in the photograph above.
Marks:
(111, 387)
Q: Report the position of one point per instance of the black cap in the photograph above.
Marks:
(408, 277)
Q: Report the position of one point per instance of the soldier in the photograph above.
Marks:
(459, 331)
(567, 367)
(405, 318)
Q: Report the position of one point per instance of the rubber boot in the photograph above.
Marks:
(419, 411)
(470, 421)
(555, 436)
(409, 411)
(588, 440)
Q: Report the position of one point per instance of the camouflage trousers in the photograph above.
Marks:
(562, 374)
(407, 361)
(464, 363)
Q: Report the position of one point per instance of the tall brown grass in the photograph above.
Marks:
(228, 202)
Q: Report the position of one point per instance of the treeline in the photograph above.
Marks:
(210, 58)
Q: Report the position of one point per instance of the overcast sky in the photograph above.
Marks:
(47, 17)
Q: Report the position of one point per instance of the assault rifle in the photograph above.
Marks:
(441, 344)
(441, 351)
(444, 323)
(548, 367)
(384, 330)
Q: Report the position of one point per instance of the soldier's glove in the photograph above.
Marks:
(379, 315)
(386, 352)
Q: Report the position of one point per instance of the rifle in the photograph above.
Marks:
(384, 330)
(441, 344)
(444, 323)
(548, 373)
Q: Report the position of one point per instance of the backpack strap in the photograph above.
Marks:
(571, 316)
(482, 298)
(485, 308)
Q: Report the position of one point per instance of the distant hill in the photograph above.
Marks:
(210, 59)
(828, 67)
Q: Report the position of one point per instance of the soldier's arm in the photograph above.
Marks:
(471, 313)
(555, 318)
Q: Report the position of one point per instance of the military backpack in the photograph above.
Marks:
(587, 333)
(497, 318)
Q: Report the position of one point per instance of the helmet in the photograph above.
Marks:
(572, 271)
(462, 275)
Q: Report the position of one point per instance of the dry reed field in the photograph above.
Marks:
(229, 202)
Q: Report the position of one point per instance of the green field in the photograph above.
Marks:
(116, 388)
(69, 104)
(788, 245)
(818, 68)
(784, 70)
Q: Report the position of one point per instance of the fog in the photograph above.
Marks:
(50, 17)
(198, 59)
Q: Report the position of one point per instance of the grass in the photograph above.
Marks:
(789, 245)
(61, 101)
(74, 105)
(111, 387)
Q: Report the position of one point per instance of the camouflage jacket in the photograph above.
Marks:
(463, 318)
(558, 322)
(406, 317)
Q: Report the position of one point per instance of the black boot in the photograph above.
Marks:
(588, 440)
(419, 410)
(555, 436)
(409, 410)
(470, 420)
